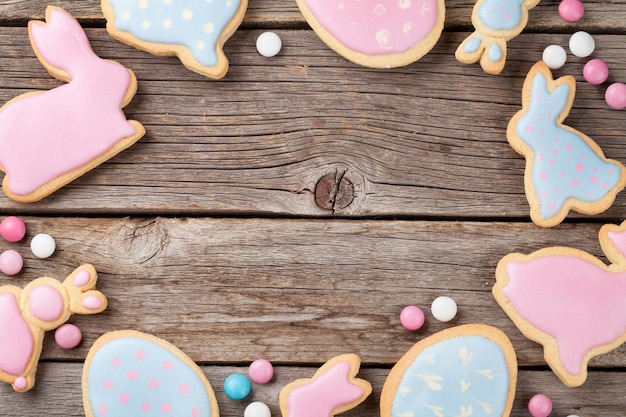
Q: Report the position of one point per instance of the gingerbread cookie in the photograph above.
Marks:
(194, 30)
(568, 300)
(496, 22)
(333, 389)
(71, 129)
(565, 169)
(26, 314)
(377, 33)
(468, 370)
(129, 373)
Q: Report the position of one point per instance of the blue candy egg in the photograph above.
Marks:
(236, 386)
(128, 373)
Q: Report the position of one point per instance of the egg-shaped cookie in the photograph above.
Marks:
(129, 373)
(377, 33)
(468, 370)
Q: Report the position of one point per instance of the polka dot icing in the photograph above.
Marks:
(565, 168)
(194, 30)
(362, 29)
(148, 375)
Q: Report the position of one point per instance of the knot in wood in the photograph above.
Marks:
(334, 192)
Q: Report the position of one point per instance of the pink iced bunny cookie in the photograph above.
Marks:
(333, 389)
(568, 300)
(71, 129)
(377, 33)
(26, 314)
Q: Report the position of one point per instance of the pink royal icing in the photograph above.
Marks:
(65, 128)
(333, 389)
(45, 303)
(378, 27)
(572, 297)
(16, 346)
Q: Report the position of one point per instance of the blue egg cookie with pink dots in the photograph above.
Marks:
(129, 373)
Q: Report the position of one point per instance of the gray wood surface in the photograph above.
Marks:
(292, 209)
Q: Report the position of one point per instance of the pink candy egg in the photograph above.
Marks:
(595, 71)
(615, 96)
(571, 10)
(12, 229)
(68, 336)
(261, 371)
(540, 405)
(11, 262)
(412, 317)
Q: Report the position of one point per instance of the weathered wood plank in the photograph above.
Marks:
(411, 142)
(600, 15)
(58, 392)
(294, 291)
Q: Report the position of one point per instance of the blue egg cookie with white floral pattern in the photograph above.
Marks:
(468, 370)
(193, 30)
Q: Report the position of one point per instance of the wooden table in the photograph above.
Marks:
(291, 210)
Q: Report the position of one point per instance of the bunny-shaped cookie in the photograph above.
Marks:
(565, 169)
(26, 314)
(568, 300)
(48, 139)
(496, 22)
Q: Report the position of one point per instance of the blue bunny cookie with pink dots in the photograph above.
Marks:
(565, 169)
(193, 30)
(129, 373)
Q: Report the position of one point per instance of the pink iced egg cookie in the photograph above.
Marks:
(133, 373)
(377, 33)
(12, 229)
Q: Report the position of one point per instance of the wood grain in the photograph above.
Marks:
(294, 291)
(292, 209)
(411, 142)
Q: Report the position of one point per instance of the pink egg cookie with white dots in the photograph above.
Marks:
(129, 373)
(565, 169)
(377, 33)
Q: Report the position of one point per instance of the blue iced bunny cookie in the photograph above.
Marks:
(496, 22)
(193, 30)
(565, 169)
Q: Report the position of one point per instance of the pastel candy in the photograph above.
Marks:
(132, 373)
(462, 371)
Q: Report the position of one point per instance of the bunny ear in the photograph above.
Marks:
(60, 42)
(80, 286)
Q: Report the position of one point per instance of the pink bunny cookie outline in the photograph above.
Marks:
(26, 314)
(333, 389)
(70, 129)
(520, 126)
(568, 300)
